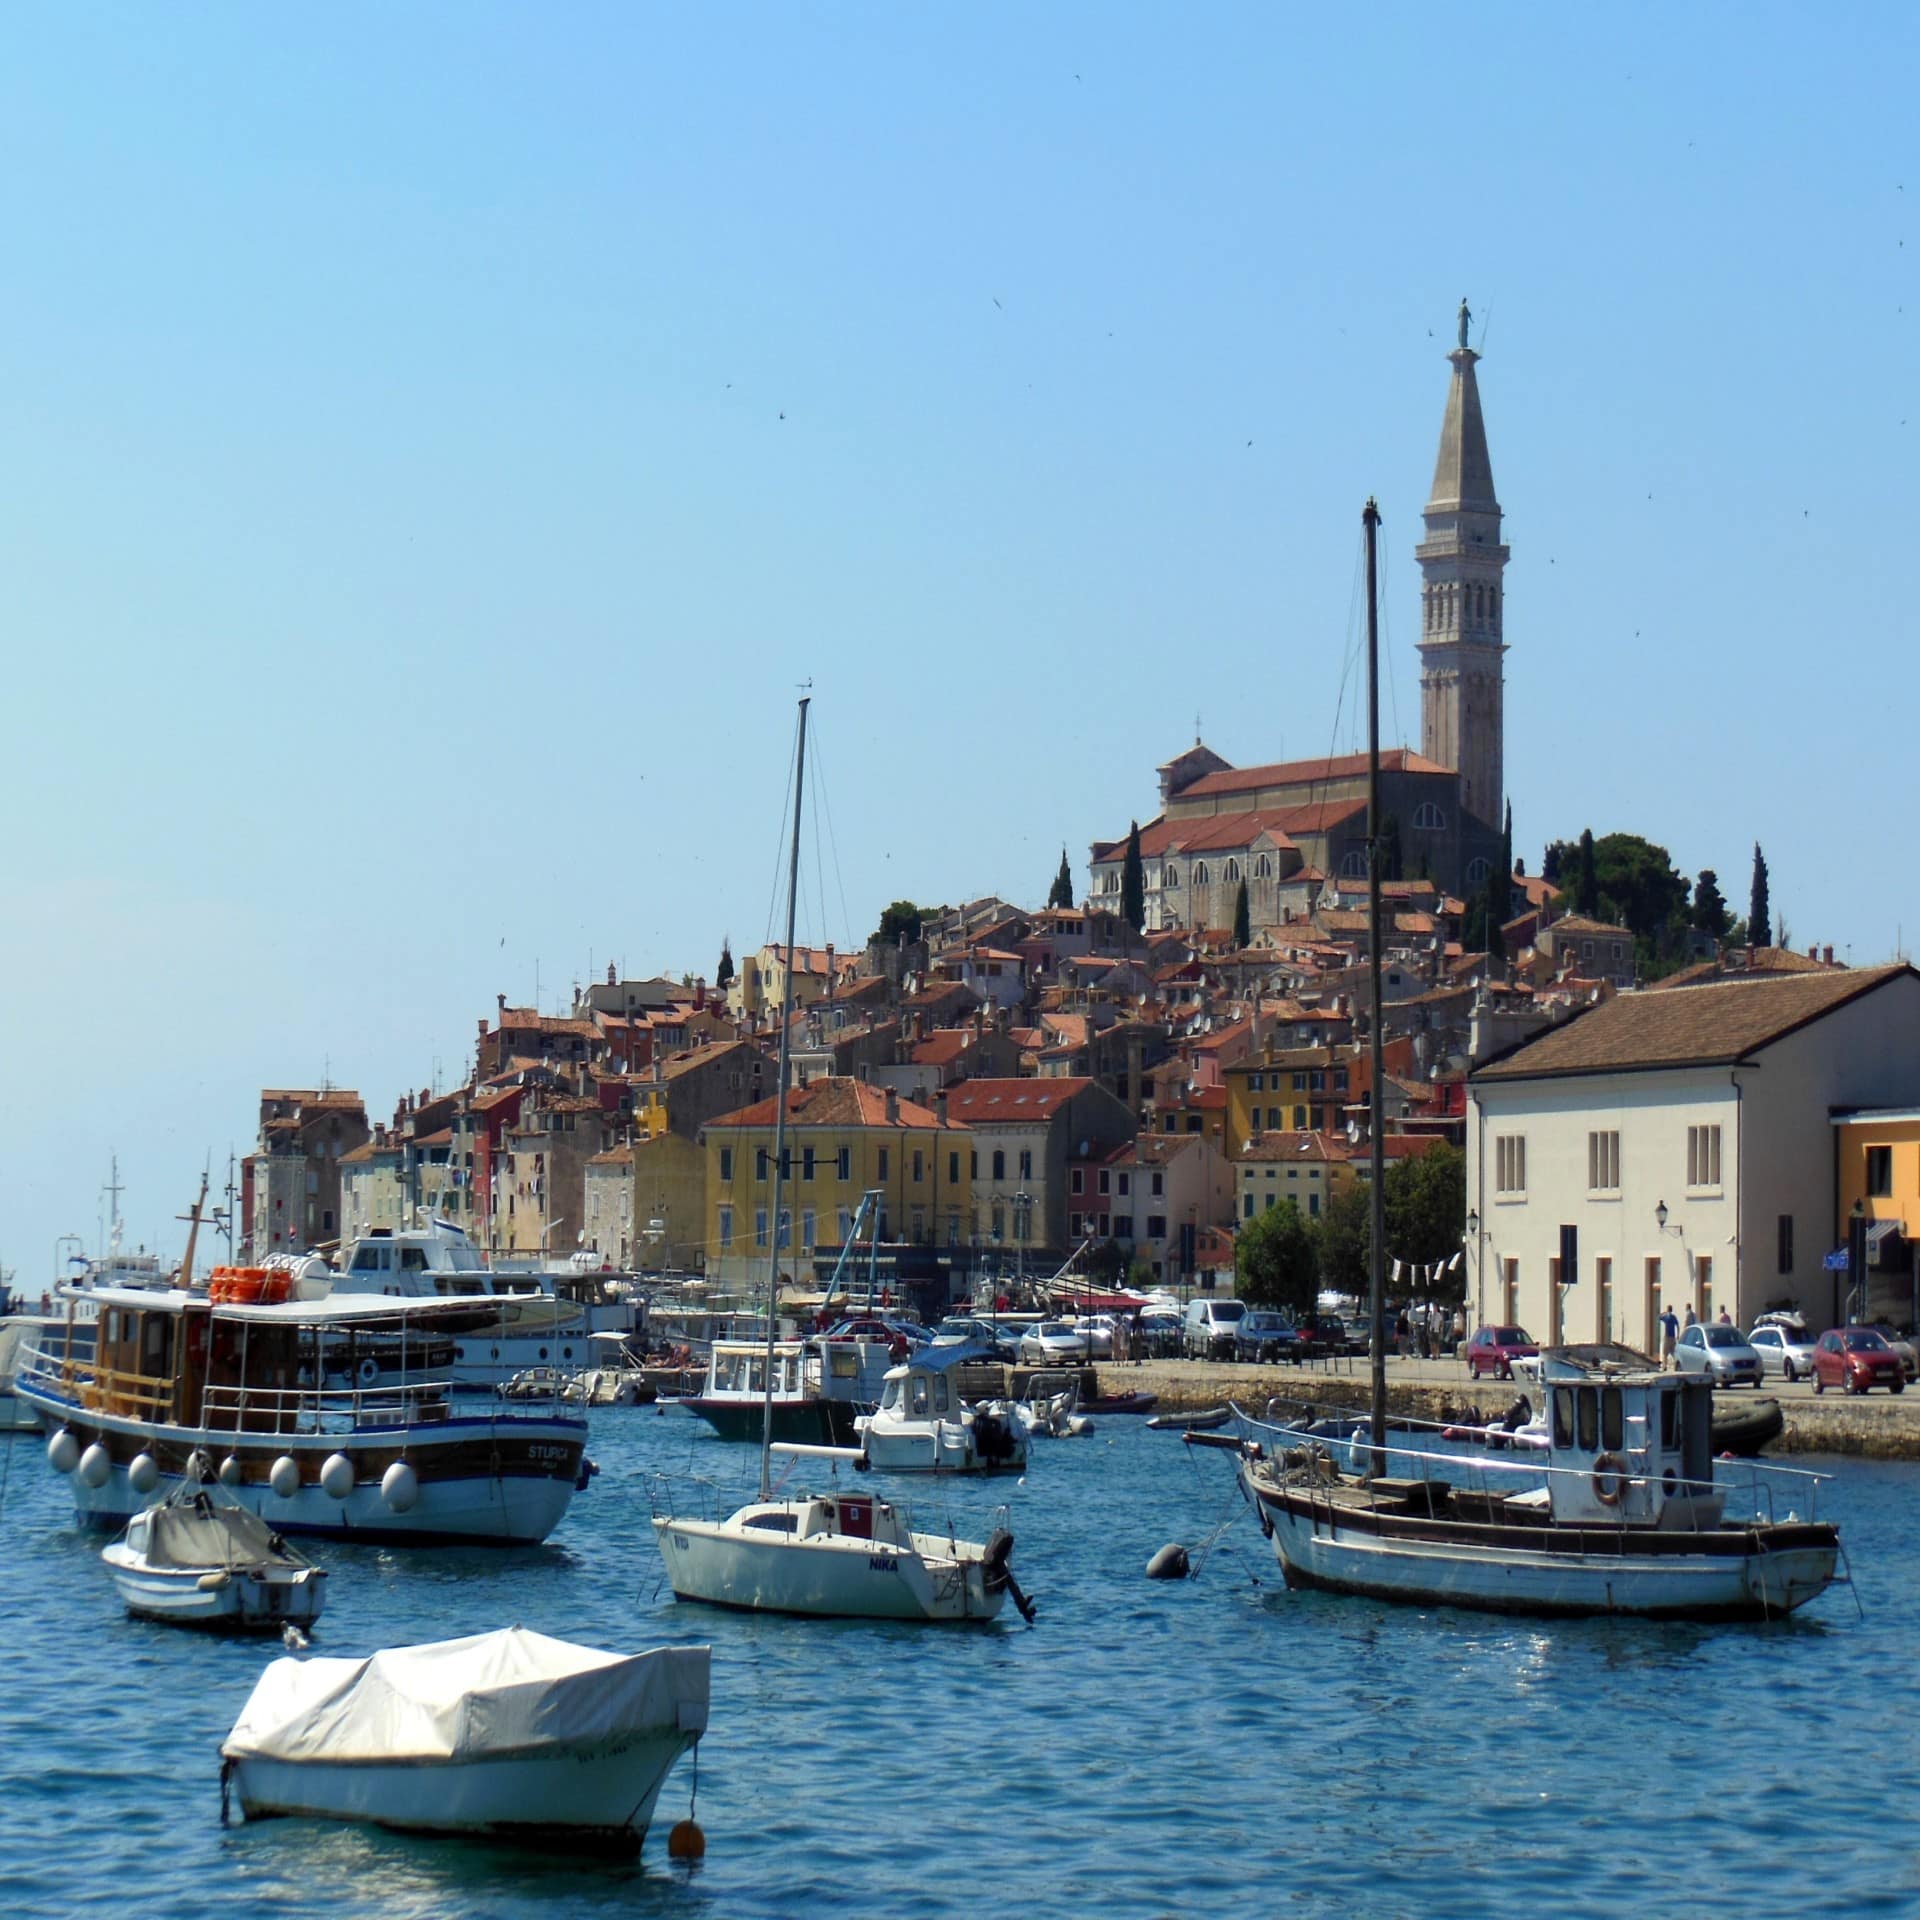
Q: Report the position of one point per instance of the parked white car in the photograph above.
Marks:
(1787, 1351)
(1720, 1352)
(1054, 1344)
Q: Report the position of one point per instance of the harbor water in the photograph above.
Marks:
(1217, 1746)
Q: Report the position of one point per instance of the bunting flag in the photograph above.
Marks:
(1454, 1265)
(1396, 1273)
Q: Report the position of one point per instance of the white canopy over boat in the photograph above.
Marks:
(507, 1733)
(512, 1690)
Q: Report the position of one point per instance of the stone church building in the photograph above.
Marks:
(1286, 829)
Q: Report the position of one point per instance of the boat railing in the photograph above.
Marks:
(254, 1409)
(1487, 1473)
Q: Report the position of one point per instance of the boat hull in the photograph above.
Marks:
(726, 1564)
(499, 1480)
(249, 1600)
(813, 1421)
(1728, 1573)
(599, 1796)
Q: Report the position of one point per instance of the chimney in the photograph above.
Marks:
(502, 999)
(940, 1105)
(1826, 954)
(893, 1108)
(1813, 953)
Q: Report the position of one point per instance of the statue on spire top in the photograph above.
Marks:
(1465, 316)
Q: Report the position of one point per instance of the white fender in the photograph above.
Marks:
(143, 1473)
(336, 1476)
(95, 1464)
(400, 1486)
(63, 1451)
(284, 1476)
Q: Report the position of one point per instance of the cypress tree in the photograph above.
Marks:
(723, 973)
(1586, 886)
(1242, 919)
(1759, 922)
(1062, 893)
(1133, 883)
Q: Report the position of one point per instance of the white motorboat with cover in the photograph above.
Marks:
(176, 1372)
(509, 1735)
(200, 1559)
(848, 1557)
(922, 1426)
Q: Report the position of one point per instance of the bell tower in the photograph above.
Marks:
(1462, 601)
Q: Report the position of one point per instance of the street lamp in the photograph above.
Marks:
(1479, 1283)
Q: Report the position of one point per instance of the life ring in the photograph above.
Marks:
(368, 1371)
(1609, 1479)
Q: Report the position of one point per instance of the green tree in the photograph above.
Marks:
(1425, 1201)
(1133, 882)
(1345, 1234)
(1554, 859)
(1062, 891)
(1273, 1260)
(1709, 908)
(1242, 919)
(723, 973)
(1586, 877)
(1760, 912)
(901, 921)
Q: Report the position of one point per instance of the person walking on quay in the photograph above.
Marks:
(1693, 1319)
(1726, 1319)
(1669, 1337)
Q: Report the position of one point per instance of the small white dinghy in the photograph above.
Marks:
(200, 1559)
(509, 1735)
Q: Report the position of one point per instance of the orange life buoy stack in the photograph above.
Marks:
(248, 1286)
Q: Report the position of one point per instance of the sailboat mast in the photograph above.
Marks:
(1376, 1144)
(780, 1111)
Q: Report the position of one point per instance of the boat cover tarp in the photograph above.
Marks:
(197, 1534)
(510, 1691)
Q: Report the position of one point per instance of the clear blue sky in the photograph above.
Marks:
(407, 564)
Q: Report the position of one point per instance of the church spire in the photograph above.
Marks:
(1463, 568)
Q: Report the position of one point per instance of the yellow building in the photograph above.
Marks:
(843, 1139)
(1879, 1172)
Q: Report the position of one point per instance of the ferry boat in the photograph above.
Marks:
(247, 1381)
(541, 1319)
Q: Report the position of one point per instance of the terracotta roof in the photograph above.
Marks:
(835, 1102)
(1301, 1149)
(1690, 1026)
(943, 1048)
(1589, 929)
(998, 1102)
(1302, 772)
(523, 1019)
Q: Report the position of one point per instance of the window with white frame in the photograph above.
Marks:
(1427, 818)
(1703, 1156)
(1510, 1163)
(1603, 1162)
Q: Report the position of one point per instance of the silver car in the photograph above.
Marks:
(1787, 1351)
(1721, 1352)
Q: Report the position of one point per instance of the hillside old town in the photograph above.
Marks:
(1604, 1098)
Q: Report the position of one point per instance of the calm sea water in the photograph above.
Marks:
(1213, 1747)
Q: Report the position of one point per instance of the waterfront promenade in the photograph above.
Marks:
(1879, 1426)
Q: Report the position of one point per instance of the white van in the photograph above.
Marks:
(1209, 1328)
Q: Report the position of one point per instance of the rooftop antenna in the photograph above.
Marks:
(113, 1190)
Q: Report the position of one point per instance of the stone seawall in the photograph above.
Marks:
(1876, 1426)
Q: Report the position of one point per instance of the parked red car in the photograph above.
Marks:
(1858, 1360)
(1494, 1350)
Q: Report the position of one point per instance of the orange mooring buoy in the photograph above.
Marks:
(686, 1842)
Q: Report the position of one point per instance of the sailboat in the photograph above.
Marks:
(836, 1555)
(1631, 1519)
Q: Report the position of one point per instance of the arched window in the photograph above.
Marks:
(1169, 876)
(1428, 818)
(999, 1164)
(1263, 868)
(1354, 866)
(1477, 871)
(1200, 873)
(1233, 870)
